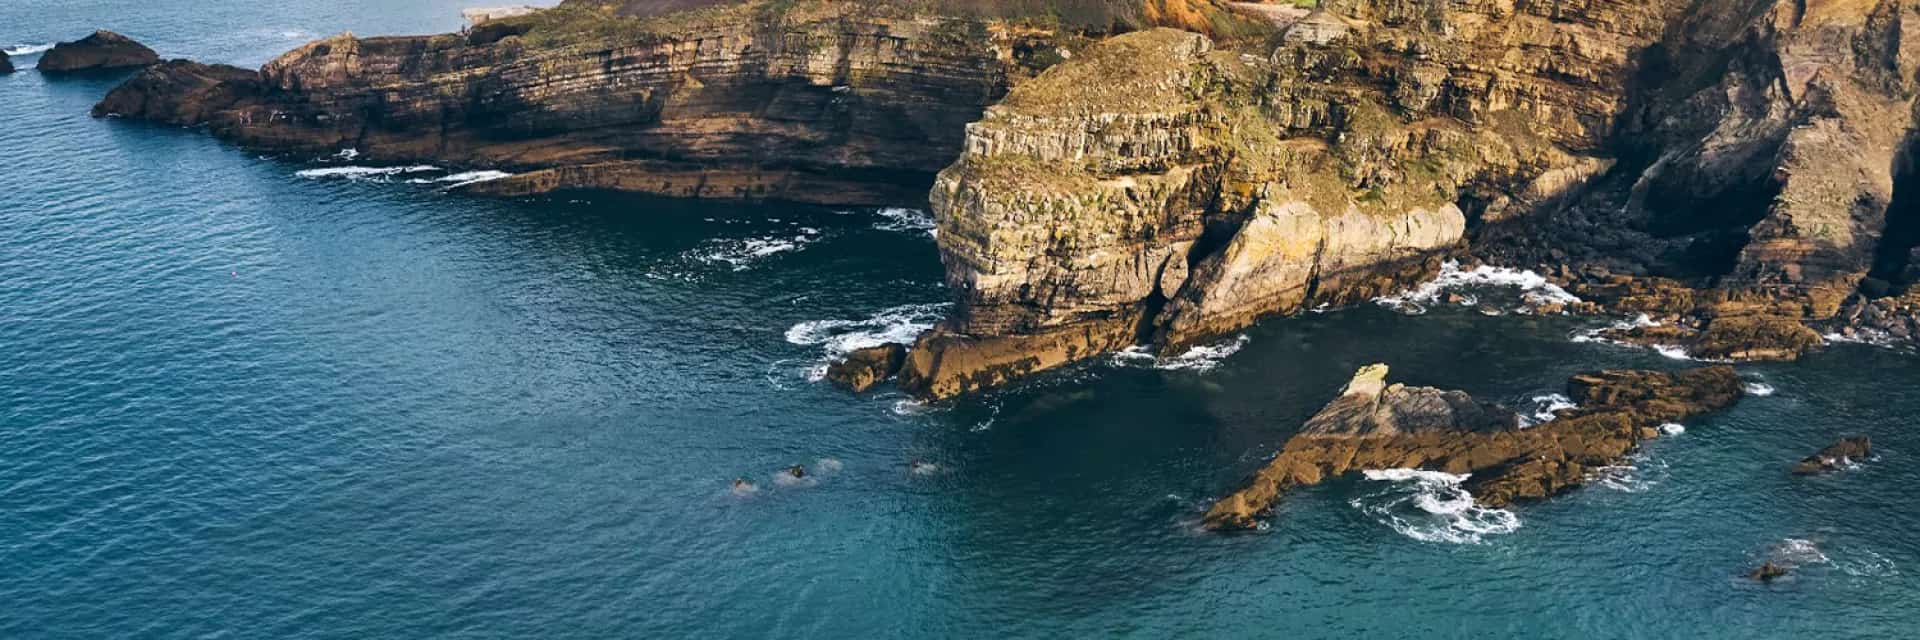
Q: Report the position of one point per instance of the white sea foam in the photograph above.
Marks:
(464, 178)
(1431, 506)
(1759, 389)
(828, 465)
(900, 324)
(785, 479)
(742, 253)
(1671, 351)
(1545, 406)
(363, 173)
(1203, 358)
(347, 154)
(922, 468)
(27, 49)
(1535, 289)
(1673, 428)
(906, 221)
(1638, 473)
(744, 490)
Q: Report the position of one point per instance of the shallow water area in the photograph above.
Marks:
(241, 401)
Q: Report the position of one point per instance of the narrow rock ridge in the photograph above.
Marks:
(1377, 426)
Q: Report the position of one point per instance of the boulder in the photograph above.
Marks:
(865, 368)
(1835, 456)
(102, 50)
(1375, 425)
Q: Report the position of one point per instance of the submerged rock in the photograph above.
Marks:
(866, 368)
(1767, 572)
(1374, 425)
(1836, 456)
(102, 50)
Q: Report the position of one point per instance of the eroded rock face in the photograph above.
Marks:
(865, 369)
(1374, 425)
(1154, 176)
(100, 51)
(1835, 456)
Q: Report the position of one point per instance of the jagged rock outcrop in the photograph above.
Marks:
(1374, 425)
(866, 368)
(100, 51)
(1835, 456)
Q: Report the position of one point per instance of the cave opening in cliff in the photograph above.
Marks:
(1708, 227)
(1893, 257)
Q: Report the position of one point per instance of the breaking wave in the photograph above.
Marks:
(27, 49)
(1759, 389)
(742, 253)
(1535, 289)
(838, 338)
(457, 180)
(1431, 506)
(1673, 428)
(1637, 474)
(905, 220)
(1202, 358)
(1545, 408)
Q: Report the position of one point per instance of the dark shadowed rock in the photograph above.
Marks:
(102, 50)
(1835, 456)
(1373, 425)
(6, 64)
(177, 92)
(865, 368)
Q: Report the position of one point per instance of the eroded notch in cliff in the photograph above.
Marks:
(1894, 266)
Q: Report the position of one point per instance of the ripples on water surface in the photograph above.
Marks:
(235, 400)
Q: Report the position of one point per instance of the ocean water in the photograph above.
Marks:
(239, 400)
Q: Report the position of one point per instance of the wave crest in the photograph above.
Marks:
(1431, 506)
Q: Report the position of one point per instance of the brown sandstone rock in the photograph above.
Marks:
(1835, 456)
(866, 368)
(1767, 572)
(100, 51)
(1373, 425)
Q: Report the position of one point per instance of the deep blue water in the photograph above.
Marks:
(238, 401)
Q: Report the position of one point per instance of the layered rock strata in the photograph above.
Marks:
(102, 50)
(1374, 426)
(1157, 190)
(820, 101)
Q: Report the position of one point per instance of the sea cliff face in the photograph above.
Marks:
(822, 102)
(1157, 190)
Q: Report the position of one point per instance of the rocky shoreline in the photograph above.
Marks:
(1119, 175)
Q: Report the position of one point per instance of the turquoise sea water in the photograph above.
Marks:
(243, 402)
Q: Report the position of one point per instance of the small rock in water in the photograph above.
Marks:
(102, 50)
(1835, 456)
(866, 368)
(1767, 572)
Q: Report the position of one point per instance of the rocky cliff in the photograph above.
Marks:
(1159, 190)
(826, 101)
(816, 101)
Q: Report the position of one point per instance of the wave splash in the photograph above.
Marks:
(1431, 506)
(903, 220)
(1203, 358)
(1546, 408)
(838, 338)
(742, 253)
(27, 49)
(1759, 389)
(1536, 291)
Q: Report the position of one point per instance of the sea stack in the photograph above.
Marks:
(100, 51)
(1835, 457)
